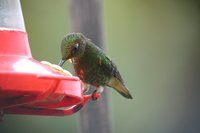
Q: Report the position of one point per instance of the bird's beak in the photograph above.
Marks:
(62, 61)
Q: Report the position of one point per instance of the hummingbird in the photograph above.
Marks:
(91, 64)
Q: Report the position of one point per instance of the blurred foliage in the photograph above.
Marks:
(155, 45)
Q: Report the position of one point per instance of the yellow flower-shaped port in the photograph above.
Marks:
(57, 68)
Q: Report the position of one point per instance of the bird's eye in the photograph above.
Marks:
(75, 48)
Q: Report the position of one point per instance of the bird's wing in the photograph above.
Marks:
(116, 73)
(115, 80)
(110, 67)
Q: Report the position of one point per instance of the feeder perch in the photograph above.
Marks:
(28, 87)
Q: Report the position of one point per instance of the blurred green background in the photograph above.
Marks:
(156, 47)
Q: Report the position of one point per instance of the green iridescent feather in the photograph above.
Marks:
(91, 64)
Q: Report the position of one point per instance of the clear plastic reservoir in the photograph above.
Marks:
(11, 15)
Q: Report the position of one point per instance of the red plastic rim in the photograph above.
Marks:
(26, 82)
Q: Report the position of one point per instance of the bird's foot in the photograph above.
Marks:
(97, 93)
(1, 115)
(86, 87)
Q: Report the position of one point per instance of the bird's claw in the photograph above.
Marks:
(1, 115)
(95, 95)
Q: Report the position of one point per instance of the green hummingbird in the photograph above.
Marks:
(91, 64)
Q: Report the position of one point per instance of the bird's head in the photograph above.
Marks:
(72, 46)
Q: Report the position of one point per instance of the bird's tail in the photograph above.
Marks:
(119, 87)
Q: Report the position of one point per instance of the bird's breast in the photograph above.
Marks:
(89, 72)
(80, 68)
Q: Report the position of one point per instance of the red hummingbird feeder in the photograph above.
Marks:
(28, 87)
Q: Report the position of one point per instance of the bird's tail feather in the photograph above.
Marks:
(119, 87)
